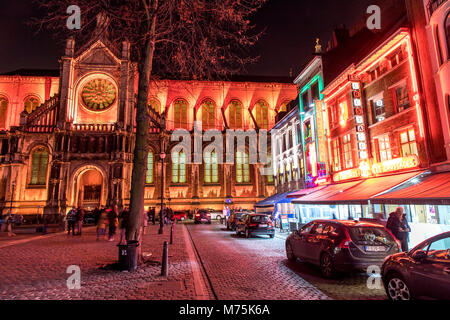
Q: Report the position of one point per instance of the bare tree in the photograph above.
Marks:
(197, 39)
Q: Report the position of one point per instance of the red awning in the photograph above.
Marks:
(304, 192)
(357, 191)
(425, 189)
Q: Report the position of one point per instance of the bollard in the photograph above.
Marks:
(171, 234)
(165, 260)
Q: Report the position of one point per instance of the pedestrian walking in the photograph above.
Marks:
(398, 228)
(113, 220)
(404, 231)
(9, 225)
(71, 220)
(80, 218)
(123, 225)
(102, 224)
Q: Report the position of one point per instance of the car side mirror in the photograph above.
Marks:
(419, 256)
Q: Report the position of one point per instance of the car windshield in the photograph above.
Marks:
(371, 236)
(259, 219)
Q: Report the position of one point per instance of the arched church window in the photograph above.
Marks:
(208, 115)
(178, 167)
(242, 167)
(3, 111)
(31, 104)
(150, 161)
(447, 33)
(261, 112)
(180, 114)
(211, 165)
(39, 164)
(235, 115)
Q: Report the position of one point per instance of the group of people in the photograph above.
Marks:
(397, 223)
(74, 219)
(6, 225)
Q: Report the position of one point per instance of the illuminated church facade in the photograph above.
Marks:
(67, 139)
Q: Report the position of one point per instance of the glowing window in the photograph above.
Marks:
(408, 143)
(180, 118)
(3, 111)
(242, 167)
(149, 175)
(262, 115)
(402, 98)
(31, 104)
(208, 115)
(343, 113)
(348, 159)
(39, 164)
(235, 115)
(283, 108)
(155, 105)
(178, 167)
(379, 112)
(336, 155)
(211, 167)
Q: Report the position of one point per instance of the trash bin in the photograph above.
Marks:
(128, 258)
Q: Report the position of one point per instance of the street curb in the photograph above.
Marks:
(200, 285)
(15, 242)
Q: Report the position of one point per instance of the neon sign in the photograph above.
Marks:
(359, 116)
(407, 162)
(347, 174)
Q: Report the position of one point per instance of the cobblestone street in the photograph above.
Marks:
(236, 269)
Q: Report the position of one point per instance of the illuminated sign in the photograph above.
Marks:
(407, 162)
(359, 117)
(347, 174)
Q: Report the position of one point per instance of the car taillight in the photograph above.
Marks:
(197, 215)
(253, 225)
(346, 242)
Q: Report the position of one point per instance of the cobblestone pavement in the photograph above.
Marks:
(248, 269)
(37, 269)
(257, 268)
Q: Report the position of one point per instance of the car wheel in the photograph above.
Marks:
(247, 233)
(396, 288)
(326, 265)
(290, 253)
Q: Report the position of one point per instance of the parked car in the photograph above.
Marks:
(215, 214)
(423, 272)
(233, 219)
(341, 245)
(255, 224)
(202, 216)
(179, 215)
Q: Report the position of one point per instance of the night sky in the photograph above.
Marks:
(291, 29)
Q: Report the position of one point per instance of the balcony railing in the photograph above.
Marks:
(433, 5)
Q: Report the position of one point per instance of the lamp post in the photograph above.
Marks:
(13, 184)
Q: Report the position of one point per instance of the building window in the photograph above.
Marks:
(31, 104)
(336, 155)
(379, 112)
(308, 130)
(262, 115)
(3, 111)
(283, 107)
(235, 115)
(396, 57)
(384, 148)
(408, 142)
(305, 101)
(149, 175)
(180, 118)
(208, 115)
(283, 138)
(155, 105)
(438, 46)
(315, 91)
(211, 167)
(39, 164)
(242, 167)
(178, 167)
(268, 167)
(299, 134)
(348, 151)
(447, 34)
(290, 140)
(402, 98)
(343, 113)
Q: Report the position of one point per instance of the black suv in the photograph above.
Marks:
(255, 224)
(341, 245)
(424, 271)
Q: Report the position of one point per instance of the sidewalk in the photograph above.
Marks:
(37, 269)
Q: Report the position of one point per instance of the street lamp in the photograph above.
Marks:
(162, 155)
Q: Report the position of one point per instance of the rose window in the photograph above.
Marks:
(98, 94)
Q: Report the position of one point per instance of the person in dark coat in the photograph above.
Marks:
(405, 229)
(71, 220)
(124, 218)
(113, 221)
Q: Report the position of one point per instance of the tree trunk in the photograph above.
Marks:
(141, 148)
